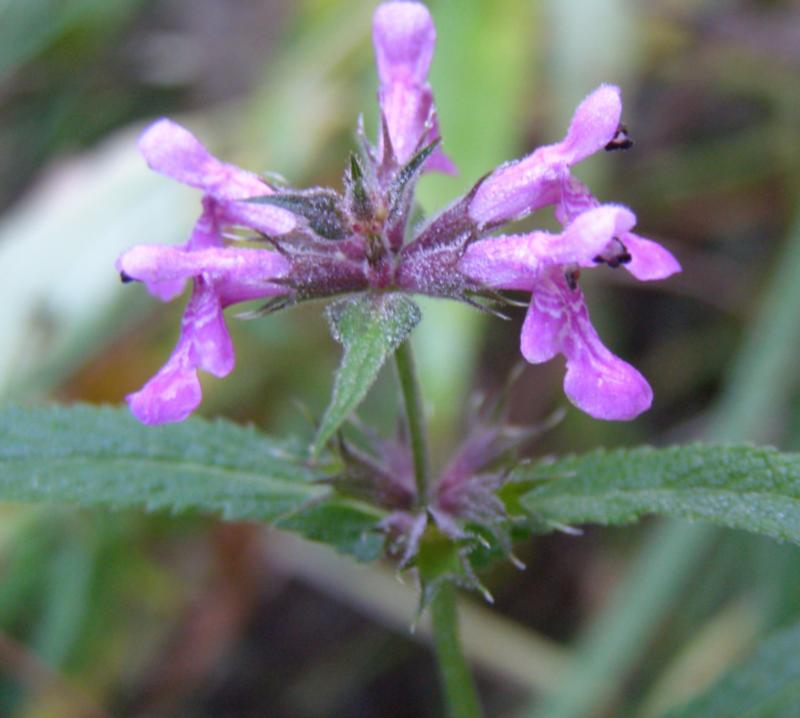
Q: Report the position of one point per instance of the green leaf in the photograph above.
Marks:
(101, 456)
(370, 327)
(739, 486)
(766, 686)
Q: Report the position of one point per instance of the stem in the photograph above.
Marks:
(412, 399)
(459, 690)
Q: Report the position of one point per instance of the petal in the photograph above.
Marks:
(513, 261)
(405, 109)
(587, 236)
(174, 392)
(594, 124)
(206, 233)
(167, 290)
(270, 220)
(438, 161)
(521, 187)
(412, 123)
(515, 189)
(203, 330)
(544, 324)
(171, 395)
(597, 381)
(155, 264)
(649, 260)
(575, 199)
(175, 152)
(500, 262)
(404, 37)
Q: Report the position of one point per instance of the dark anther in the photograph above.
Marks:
(125, 278)
(572, 276)
(620, 141)
(616, 254)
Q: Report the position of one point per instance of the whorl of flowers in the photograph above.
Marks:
(319, 243)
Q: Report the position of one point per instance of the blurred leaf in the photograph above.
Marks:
(370, 327)
(66, 598)
(767, 686)
(28, 26)
(744, 487)
(93, 456)
(57, 250)
(756, 381)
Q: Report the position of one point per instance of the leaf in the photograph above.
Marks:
(739, 486)
(101, 456)
(343, 524)
(766, 686)
(370, 327)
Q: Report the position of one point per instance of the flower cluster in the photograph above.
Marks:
(464, 505)
(319, 243)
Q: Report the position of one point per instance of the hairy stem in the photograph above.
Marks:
(460, 695)
(412, 399)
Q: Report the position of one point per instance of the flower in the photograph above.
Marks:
(222, 276)
(317, 243)
(517, 188)
(173, 151)
(322, 244)
(557, 322)
(404, 37)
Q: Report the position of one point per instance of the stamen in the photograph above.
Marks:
(620, 141)
(616, 254)
(572, 275)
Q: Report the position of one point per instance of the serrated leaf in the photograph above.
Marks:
(745, 487)
(321, 207)
(766, 686)
(370, 327)
(343, 524)
(101, 456)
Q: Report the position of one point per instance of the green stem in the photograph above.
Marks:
(459, 690)
(412, 399)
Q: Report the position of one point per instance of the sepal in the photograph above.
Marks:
(321, 208)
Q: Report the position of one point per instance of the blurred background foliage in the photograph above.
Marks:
(128, 615)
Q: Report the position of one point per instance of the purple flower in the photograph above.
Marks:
(518, 188)
(557, 322)
(175, 152)
(404, 38)
(548, 265)
(222, 275)
(318, 243)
